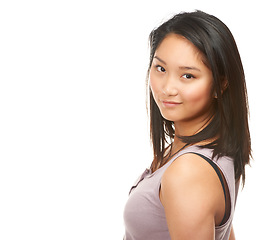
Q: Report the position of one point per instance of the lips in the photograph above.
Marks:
(170, 103)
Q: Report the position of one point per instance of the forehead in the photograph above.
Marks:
(177, 49)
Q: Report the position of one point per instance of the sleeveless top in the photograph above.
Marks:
(144, 215)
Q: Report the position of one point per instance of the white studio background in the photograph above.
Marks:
(73, 123)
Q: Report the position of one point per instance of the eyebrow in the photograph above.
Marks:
(181, 67)
(160, 60)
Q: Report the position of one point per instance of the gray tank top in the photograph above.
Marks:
(144, 215)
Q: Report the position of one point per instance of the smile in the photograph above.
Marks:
(170, 103)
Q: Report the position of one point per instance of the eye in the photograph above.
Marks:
(160, 68)
(188, 76)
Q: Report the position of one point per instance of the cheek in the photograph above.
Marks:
(154, 85)
(200, 94)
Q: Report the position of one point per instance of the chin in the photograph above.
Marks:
(171, 117)
(175, 117)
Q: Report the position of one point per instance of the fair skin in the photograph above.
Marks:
(191, 192)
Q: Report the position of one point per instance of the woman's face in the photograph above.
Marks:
(180, 82)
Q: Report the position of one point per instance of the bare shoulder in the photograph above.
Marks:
(192, 196)
(190, 167)
(191, 172)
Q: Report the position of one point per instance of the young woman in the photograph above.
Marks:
(199, 132)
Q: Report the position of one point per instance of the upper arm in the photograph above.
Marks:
(232, 235)
(192, 197)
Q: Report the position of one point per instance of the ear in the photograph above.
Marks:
(224, 85)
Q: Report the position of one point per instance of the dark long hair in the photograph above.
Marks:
(229, 125)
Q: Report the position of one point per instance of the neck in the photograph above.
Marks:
(188, 129)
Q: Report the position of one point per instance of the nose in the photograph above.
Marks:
(170, 86)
